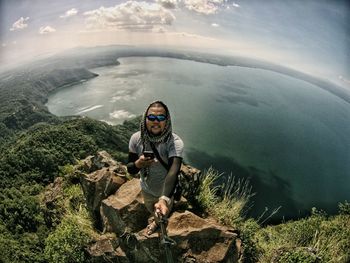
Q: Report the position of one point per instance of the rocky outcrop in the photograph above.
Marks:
(197, 239)
(114, 200)
(100, 177)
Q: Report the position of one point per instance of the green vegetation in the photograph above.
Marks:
(36, 155)
(32, 231)
(317, 238)
(68, 241)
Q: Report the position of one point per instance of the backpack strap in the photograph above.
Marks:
(156, 153)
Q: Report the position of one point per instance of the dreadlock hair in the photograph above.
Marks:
(146, 136)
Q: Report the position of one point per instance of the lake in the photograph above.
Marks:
(289, 136)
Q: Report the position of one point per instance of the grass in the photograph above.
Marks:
(318, 238)
(230, 208)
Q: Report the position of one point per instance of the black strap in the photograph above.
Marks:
(156, 153)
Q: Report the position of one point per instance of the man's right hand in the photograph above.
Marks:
(143, 162)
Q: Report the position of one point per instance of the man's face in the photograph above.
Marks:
(155, 127)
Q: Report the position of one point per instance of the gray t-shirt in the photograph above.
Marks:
(154, 182)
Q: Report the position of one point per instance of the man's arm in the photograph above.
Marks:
(135, 162)
(162, 206)
(132, 169)
(171, 178)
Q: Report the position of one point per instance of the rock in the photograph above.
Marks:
(100, 184)
(51, 200)
(125, 211)
(106, 249)
(53, 191)
(189, 178)
(189, 171)
(198, 240)
(96, 162)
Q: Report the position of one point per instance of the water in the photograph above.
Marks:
(290, 137)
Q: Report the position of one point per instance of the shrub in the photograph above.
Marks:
(344, 208)
(20, 209)
(67, 243)
(298, 255)
(251, 250)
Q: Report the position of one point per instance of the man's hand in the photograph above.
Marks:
(143, 162)
(161, 207)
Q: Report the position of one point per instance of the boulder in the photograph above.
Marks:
(51, 199)
(197, 240)
(97, 162)
(106, 249)
(53, 191)
(189, 179)
(100, 184)
(124, 211)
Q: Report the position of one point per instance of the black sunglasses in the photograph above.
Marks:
(159, 118)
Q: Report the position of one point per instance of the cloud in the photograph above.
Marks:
(235, 5)
(137, 16)
(125, 95)
(70, 13)
(19, 24)
(206, 7)
(169, 4)
(121, 114)
(46, 30)
(215, 25)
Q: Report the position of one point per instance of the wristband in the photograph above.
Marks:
(166, 199)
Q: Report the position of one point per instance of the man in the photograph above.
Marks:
(158, 171)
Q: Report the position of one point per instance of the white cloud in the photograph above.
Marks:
(19, 24)
(169, 4)
(215, 25)
(46, 30)
(125, 95)
(69, 13)
(131, 15)
(3, 44)
(235, 5)
(121, 114)
(206, 7)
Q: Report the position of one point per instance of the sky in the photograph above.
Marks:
(312, 36)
